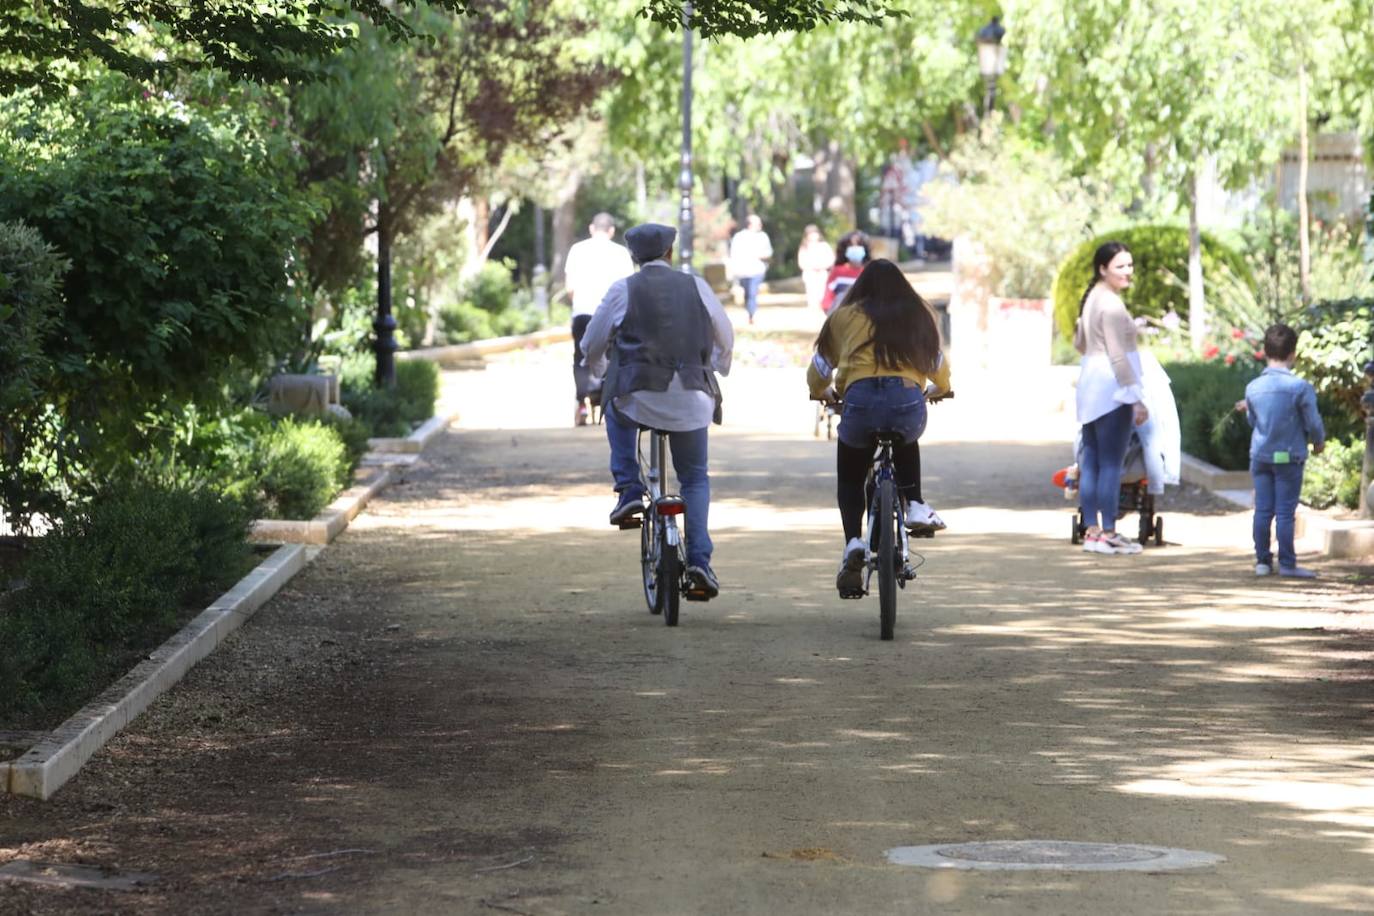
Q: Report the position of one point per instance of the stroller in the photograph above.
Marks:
(1135, 496)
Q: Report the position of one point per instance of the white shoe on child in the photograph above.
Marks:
(921, 517)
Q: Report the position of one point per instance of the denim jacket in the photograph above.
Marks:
(1282, 408)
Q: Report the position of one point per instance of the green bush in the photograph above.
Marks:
(1333, 477)
(1161, 258)
(390, 412)
(299, 466)
(1206, 394)
(460, 322)
(109, 582)
(31, 274)
(1333, 346)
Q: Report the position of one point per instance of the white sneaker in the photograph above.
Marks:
(1114, 542)
(1263, 569)
(850, 579)
(920, 515)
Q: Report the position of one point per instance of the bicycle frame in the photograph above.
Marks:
(661, 546)
(883, 469)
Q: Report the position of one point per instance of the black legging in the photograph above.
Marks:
(852, 466)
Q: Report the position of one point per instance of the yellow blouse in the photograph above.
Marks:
(853, 358)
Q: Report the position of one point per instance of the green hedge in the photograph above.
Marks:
(1206, 395)
(110, 582)
(390, 411)
(1335, 342)
(1158, 251)
(1333, 477)
(297, 468)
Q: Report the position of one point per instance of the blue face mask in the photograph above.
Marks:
(855, 253)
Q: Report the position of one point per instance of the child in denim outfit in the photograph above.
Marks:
(1282, 408)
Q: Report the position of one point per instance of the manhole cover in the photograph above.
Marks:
(1058, 855)
(21, 871)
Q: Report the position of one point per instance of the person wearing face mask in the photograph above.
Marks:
(851, 254)
(1111, 398)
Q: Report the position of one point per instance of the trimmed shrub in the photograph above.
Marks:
(299, 466)
(1334, 345)
(1206, 394)
(109, 582)
(1333, 477)
(1161, 259)
(390, 412)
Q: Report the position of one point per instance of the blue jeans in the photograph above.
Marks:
(689, 462)
(886, 402)
(751, 285)
(1099, 471)
(1276, 500)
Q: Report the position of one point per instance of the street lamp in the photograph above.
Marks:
(992, 59)
(684, 178)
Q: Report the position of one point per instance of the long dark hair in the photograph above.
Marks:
(1101, 258)
(905, 332)
(856, 237)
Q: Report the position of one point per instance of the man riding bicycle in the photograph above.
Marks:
(658, 338)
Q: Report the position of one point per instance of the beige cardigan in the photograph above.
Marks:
(1105, 327)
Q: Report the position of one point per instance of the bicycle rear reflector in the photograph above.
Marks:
(671, 507)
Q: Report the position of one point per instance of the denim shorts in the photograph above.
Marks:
(872, 405)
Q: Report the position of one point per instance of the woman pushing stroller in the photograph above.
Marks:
(882, 345)
(1110, 396)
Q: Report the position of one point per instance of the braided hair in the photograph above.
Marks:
(1101, 258)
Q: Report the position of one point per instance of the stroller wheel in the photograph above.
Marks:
(1077, 536)
(1159, 531)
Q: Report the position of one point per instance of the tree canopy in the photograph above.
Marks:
(46, 42)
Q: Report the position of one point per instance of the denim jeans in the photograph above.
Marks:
(689, 462)
(874, 404)
(1276, 500)
(751, 285)
(1099, 471)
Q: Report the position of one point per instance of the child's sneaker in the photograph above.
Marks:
(850, 579)
(921, 517)
(1110, 542)
(1296, 572)
(1263, 569)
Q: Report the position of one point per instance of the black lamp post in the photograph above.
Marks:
(684, 178)
(992, 59)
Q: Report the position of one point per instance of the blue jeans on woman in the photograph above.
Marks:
(873, 405)
(1099, 467)
(689, 462)
(1276, 501)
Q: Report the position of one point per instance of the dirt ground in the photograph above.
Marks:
(463, 706)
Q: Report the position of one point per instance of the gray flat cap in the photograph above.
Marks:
(649, 241)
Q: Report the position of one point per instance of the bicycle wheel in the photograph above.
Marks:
(887, 558)
(669, 577)
(648, 559)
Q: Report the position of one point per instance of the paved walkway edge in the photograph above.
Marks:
(416, 441)
(330, 523)
(58, 757)
(461, 353)
(1340, 537)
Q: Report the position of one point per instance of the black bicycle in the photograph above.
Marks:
(662, 552)
(889, 554)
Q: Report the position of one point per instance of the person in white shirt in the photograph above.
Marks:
(750, 251)
(593, 265)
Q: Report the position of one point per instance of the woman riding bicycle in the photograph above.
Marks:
(883, 347)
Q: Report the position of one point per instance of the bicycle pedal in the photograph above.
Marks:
(630, 524)
(849, 594)
(921, 532)
(696, 596)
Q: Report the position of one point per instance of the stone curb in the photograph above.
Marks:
(461, 353)
(43, 769)
(416, 441)
(1341, 538)
(330, 523)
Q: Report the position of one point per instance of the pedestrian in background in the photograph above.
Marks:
(852, 252)
(815, 257)
(593, 265)
(1282, 408)
(750, 252)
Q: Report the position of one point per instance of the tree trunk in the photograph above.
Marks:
(1197, 306)
(481, 228)
(1304, 218)
(565, 228)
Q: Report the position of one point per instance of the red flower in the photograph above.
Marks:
(1259, 355)
(1210, 351)
(1230, 359)
(1237, 333)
